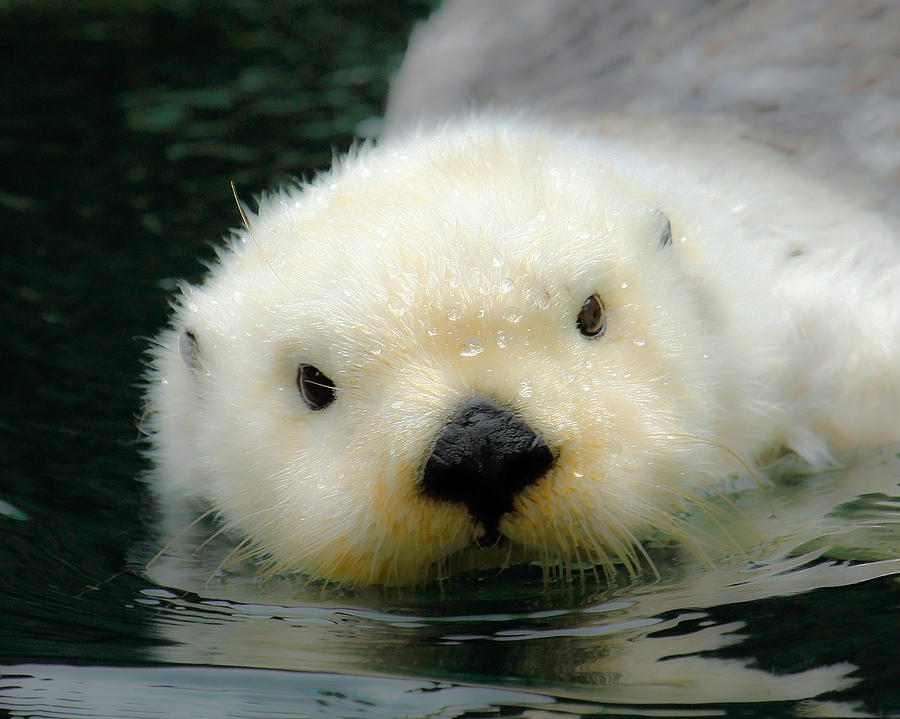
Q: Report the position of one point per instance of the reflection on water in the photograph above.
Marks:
(793, 614)
(691, 637)
(212, 692)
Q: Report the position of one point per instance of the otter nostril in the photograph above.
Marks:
(484, 457)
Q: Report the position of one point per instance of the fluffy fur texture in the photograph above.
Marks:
(451, 264)
(417, 275)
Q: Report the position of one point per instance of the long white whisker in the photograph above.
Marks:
(179, 535)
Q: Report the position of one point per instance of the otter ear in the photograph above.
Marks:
(665, 229)
(189, 348)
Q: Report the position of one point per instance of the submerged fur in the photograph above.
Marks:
(453, 263)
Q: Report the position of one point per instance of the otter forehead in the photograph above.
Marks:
(435, 236)
(381, 207)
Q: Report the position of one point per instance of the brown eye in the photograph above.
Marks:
(592, 318)
(315, 388)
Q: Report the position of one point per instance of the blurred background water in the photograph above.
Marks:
(122, 124)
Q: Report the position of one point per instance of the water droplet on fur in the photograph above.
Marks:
(454, 313)
(639, 341)
(501, 340)
(396, 305)
(471, 348)
(506, 286)
(432, 332)
(578, 475)
(525, 388)
(512, 314)
(624, 285)
(481, 311)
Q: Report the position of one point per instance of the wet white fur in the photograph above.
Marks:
(431, 268)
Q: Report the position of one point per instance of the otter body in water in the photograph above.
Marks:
(542, 334)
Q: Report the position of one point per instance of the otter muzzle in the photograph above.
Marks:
(483, 458)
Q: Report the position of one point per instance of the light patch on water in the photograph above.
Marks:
(632, 643)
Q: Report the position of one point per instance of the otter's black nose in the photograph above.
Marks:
(483, 458)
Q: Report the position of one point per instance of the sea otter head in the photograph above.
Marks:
(482, 338)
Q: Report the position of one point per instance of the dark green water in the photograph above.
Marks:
(122, 124)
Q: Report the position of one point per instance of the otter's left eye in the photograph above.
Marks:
(592, 318)
(315, 388)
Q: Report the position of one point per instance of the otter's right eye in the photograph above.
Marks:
(315, 388)
(592, 318)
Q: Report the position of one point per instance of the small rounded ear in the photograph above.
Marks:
(665, 230)
(189, 348)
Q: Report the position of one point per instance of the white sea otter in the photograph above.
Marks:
(521, 339)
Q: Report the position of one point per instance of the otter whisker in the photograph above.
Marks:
(221, 566)
(179, 535)
(242, 210)
(375, 560)
(229, 526)
(240, 206)
(637, 546)
(684, 533)
(747, 465)
(714, 514)
(597, 553)
(620, 548)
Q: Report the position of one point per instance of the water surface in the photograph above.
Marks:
(122, 125)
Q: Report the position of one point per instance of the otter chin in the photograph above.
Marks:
(510, 338)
